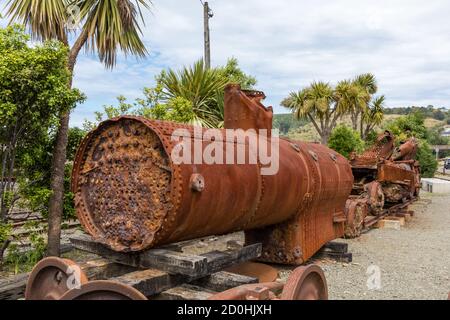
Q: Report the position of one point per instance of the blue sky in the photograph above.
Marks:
(288, 44)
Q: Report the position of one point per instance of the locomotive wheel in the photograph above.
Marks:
(103, 290)
(52, 277)
(306, 283)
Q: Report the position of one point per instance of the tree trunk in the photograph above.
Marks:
(325, 136)
(3, 248)
(56, 204)
(354, 117)
(361, 127)
(57, 187)
(3, 183)
(367, 131)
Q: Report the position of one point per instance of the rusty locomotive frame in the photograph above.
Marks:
(130, 196)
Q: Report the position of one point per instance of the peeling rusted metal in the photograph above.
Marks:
(400, 180)
(244, 110)
(406, 151)
(384, 176)
(356, 210)
(131, 196)
(382, 149)
(375, 197)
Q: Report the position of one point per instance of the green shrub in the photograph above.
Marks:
(413, 126)
(24, 261)
(5, 232)
(427, 160)
(345, 140)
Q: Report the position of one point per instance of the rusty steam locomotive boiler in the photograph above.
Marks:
(131, 195)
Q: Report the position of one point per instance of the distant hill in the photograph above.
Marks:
(304, 130)
(440, 114)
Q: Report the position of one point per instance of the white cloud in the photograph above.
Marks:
(287, 44)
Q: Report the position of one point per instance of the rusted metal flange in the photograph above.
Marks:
(263, 272)
(52, 277)
(104, 290)
(356, 211)
(375, 197)
(306, 283)
(257, 291)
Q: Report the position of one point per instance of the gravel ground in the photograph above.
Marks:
(414, 262)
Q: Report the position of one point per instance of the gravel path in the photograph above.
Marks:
(414, 262)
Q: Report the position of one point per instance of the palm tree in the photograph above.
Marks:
(368, 82)
(364, 87)
(373, 116)
(105, 27)
(349, 97)
(316, 103)
(202, 87)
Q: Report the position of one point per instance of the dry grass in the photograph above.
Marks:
(309, 134)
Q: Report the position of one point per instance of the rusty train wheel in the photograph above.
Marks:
(104, 290)
(306, 283)
(52, 277)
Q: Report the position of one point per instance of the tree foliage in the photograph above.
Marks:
(317, 103)
(104, 27)
(191, 95)
(199, 86)
(35, 163)
(428, 112)
(234, 74)
(413, 126)
(287, 122)
(345, 141)
(324, 105)
(33, 92)
(407, 126)
(428, 163)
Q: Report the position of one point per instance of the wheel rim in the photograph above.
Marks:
(306, 283)
(104, 290)
(52, 277)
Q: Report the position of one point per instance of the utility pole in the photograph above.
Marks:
(207, 14)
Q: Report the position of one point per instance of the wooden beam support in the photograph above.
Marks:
(222, 281)
(173, 262)
(162, 259)
(186, 292)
